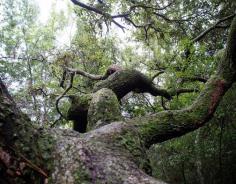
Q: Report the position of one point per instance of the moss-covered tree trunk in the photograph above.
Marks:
(110, 154)
(112, 151)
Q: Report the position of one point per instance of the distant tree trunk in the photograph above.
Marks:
(183, 172)
(198, 157)
(220, 148)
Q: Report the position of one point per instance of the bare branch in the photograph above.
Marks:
(124, 15)
(181, 90)
(144, 6)
(64, 93)
(93, 9)
(157, 74)
(149, 103)
(193, 79)
(163, 104)
(22, 58)
(63, 79)
(85, 74)
(204, 33)
(216, 25)
(140, 5)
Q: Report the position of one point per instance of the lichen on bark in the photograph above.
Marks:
(28, 145)
(104, 108)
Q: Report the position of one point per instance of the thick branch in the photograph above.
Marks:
(125, 81)
(181, 90)
(90, 8)
(193, 79)
(121, 83)
(103, 108)
(169, 124)
(95, 157)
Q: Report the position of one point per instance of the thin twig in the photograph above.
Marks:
(163, 104)
(157, 74)
(96, 10)
(85, 74)
(64, 93)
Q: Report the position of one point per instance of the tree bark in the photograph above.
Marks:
(113, 153)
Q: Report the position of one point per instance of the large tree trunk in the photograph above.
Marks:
(111, 152)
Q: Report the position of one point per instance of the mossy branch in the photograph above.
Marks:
(169, 124)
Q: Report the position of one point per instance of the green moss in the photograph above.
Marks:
(45, 144)
(82, 176)
(78, 104)
(134, 145)
(104, 107)
(35, 144)
(114, 80)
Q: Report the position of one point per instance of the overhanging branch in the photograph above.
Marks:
(126, 15)
(193, 79)
(175, 92)
(169, 124)
(157, 74)
(96, 10)
(214, 26)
